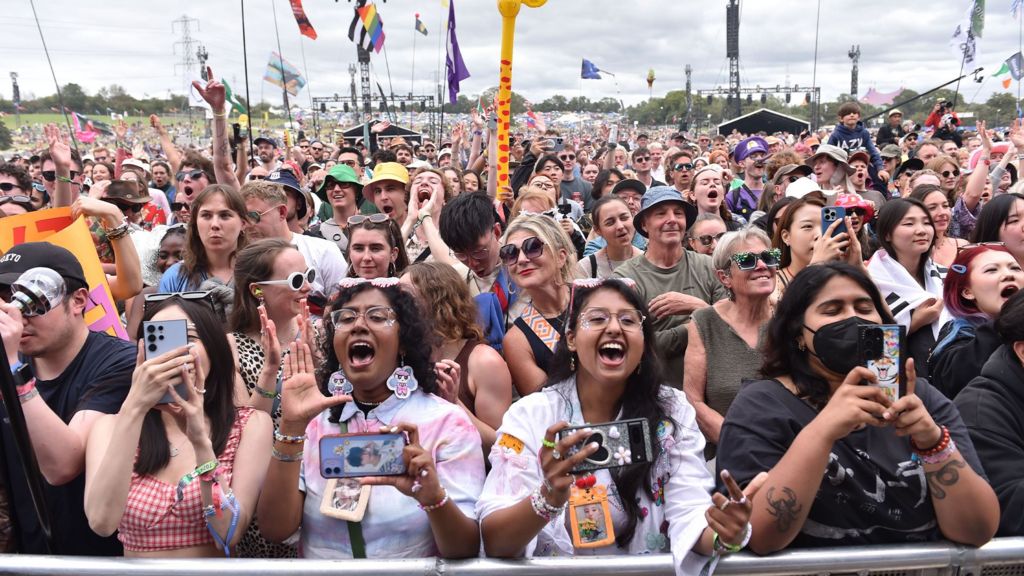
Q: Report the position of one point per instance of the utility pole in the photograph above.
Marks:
(854, 55)
(186, 48)
(732, 52)
(688, 119)
(16, 97)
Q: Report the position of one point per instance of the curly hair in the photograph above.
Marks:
(643, 398)
(415, 338)
(446, 296)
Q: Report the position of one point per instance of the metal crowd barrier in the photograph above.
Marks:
(1001, 557)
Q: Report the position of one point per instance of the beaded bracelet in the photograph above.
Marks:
(940, 457)
(282, 457)
(279, 437)
(543, 509)
(433, 507)
(940, 446)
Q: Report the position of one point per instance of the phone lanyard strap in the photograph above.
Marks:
(355, 529)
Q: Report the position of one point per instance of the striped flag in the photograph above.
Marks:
(305, 26)
(283, 74)
(373, 24)
(420, 26)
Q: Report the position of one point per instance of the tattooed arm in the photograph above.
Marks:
(215, 94)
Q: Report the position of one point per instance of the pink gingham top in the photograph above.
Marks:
(152, 519)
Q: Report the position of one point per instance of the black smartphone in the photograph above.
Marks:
(882, 349)
(358, 454)
(160, 337)
(830, 214)
(621, 443)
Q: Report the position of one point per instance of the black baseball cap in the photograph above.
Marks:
(30, 255)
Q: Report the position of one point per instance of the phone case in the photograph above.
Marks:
(882, 349)
(162, 336)
(359, 454)
(622, 443)
(830, 214)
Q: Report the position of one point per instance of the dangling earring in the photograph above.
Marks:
(391, 270)
(403, 381)
(801, 346)
(572, 362)
(512, 289)
(339, 384)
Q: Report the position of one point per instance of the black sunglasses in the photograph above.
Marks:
(748, 260)
(126, 206)
(532, 247)
(948, 173)
(257, 177)
(687, 166)
(567, 157)
(192, 296)
(193, 174)
(7, 187)
(178, 206)
(707, 239)
(51, 175)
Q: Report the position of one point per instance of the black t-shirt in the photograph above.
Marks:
(97, 379)
(871, 492)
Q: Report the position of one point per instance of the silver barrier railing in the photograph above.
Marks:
(1001, 557)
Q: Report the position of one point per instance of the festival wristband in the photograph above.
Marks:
(65, 179)
(188, 478)
(725, 548)
(32, 393)
(268, 394)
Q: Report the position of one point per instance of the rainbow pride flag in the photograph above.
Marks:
(373, 24)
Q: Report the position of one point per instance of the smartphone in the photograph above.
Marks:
(830, 214)
(358, 454)
(162, 336)
(557, 144)
(622, 443)
(882, 349)
(564, 209)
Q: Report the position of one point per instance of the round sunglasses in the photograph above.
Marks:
(295, 280)
(532, 247)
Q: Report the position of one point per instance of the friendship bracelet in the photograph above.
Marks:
(726, 548)
(268, 394)
(940, 457)
(23, 398)
(433, 507)
(65, 179)
(543, 509)
(279, 437)
(221, 115)
(282, 457)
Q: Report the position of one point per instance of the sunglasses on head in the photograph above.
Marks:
(193, 174)
(51, 175)
(38, 187)
(358, 219)
(683, 166)
(708, 239)
(966, 247)
(532, 247)
(949, 173)
(748, 260)
(17, 199)
(390, 282)
(193, 296)
(295, 280)
(7, 187)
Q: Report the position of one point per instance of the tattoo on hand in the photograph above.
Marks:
(946, 476)
(785, 509)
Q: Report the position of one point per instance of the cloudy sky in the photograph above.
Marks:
(131, 43)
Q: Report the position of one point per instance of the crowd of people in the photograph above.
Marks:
(713, 288)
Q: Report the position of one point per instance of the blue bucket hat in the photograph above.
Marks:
(660, 195)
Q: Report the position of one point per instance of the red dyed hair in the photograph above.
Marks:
(959, 277)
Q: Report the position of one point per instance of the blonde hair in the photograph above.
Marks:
(528, 193)
(547, 229)
(264, 190)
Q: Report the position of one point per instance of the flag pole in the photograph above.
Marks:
(284, 75)
(248, 99)
(1020, 43)
(412, 81)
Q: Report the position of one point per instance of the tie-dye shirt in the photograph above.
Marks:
(393, 526)
(672, 518)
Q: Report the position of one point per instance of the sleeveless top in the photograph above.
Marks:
(154, 521)
(542, 334)
(729, 361)
(462, 359)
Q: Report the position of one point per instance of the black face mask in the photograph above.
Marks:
(837, 344)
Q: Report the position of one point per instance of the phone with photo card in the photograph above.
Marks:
(359, 454)
(160, 337)
(882, 349)
(620, 443)
(830, 214)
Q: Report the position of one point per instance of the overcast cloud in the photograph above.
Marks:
(131, 43)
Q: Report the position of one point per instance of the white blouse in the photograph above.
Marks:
(672, 518)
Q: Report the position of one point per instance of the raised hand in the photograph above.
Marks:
(557, 472)
(301, 399)
(121, 130)
(60, 151)
(728, 516)
(191, 418)
(380, 126)
(213, 93)
(154, 122)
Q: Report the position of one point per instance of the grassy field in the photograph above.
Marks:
(13, 122)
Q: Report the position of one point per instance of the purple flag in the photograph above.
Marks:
(453, 63)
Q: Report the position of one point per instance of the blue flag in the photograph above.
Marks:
(453, 63)
(590, 71)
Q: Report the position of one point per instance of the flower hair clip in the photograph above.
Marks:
(346, 283)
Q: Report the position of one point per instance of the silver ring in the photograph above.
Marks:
(741, 501)
(724, 505)
(416, 486)
(556, 455)
(198, 391)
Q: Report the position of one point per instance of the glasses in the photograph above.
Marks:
(861, 212)
(966, 247)
(748, 260)
(950, 173)
(205, 296)
(480, 255)
(191, 174)
(350, 163)
(295, 280)
(252, 177)
(687, 166)
(358, 219)
(315, 149)
(7, 187)
(376, 316)
(126, 206)
(50, 175)
(179, 206)
(708, 239)
(643, 159)
(599, 318)
(567, 157)
(532, 247)
(257, 216)
(38, 187)
(589, 283)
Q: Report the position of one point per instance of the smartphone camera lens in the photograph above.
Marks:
(152, 347)
(151, 338)
(150, 329)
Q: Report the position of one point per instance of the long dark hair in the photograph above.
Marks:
(219, 399)
(993, 215)
(889, 218)
(782, 357)
(415, 337)
(643, 397)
